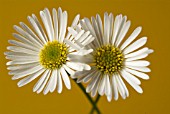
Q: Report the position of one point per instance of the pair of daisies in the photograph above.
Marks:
(94, 52)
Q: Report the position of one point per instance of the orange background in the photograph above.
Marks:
(152, 15)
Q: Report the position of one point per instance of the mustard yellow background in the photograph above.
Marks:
(152, 15)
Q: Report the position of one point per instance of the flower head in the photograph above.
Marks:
(114, 59)
(45, 51)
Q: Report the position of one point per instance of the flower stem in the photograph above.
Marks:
(88, 97)
(93, 109)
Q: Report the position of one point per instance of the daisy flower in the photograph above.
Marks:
(114, 59)
(44, 51)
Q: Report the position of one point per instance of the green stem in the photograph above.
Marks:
(88, 97)
(93, 109)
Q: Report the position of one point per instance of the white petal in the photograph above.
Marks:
(64, 24)
(83, 73)
(136, 53)
(100, 26)
(88, 40)
(123, 32)
(60, 86)
(78, 43)
(17, 71)
(50, 85)
(122, 23)
(85, 66)
(65, 78)
(22, 50)
(73, 45)
(137, 57)
(89, 76)
(149, 51)
(14, 42)
(72, 32)
(102, 84)
(79, 58)
(109, 98)
(78, 28)
(84, 36)
(79, 34)
(24, 66)
(19, 62)
(124, 86)
(131, 77)
(30, 78)
(142, 69)
(96, 29)
(38, 30)
(75, 21)
(69, 70)
(46, 24)
(94, 90)
(23, 58)
(120, 88)
(27, 37)
(131, 37)
(106, 28)
(83, 25)
(61, 23)
(39, 27)
(111, 26)
(27, 72)
(40, 81)
(9, 53)
(137, 63)
(91, 29)
(116, 28)
(14, 55)
(93, 82)
(86, 75)
(50, 24)
(137, 44)
(55, 20)
(108, 86)
(138, 74)
(74, 66)
(84, 52)
(115, 88)
(29, 40)
(89, 26)
(44, 82)
(135, 86)
(26, 28)
(54, 83)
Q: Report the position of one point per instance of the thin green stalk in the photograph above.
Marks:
(97, 99)
(88, 97)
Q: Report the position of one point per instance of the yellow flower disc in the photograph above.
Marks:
(53, 55)
(108, 59)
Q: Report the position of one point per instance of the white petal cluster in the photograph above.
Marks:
(112, 31)
(24, 54)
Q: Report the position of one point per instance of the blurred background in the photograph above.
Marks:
(152, 15)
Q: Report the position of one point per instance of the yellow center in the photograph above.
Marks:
(108, 59)
(53, 55)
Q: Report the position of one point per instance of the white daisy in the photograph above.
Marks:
(36, 54)
(114, 58)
